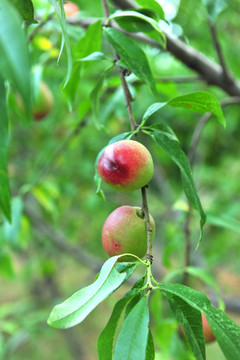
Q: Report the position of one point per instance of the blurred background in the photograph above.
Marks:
(53, 247)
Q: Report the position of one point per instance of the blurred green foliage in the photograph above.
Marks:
(51, 171)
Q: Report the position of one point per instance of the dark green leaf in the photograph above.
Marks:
(201, 102)
(226, 331)
(14, 59)
(26, 10)
(191, 322)
(107, 336)
(5, 203)
(132, 341)
(173, 150)
(150, 351)
(87, 45)
(129, 51)
(76, 308)
(152, 5)
(129, 14)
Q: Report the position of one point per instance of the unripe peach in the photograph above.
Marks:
(126, 165)
(71, 9)
(125, 231)
(207, 332)
(43, 103)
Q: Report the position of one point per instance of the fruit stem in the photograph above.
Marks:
(147, 219)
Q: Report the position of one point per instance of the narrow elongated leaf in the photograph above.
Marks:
(65, 40)
(171, 147)
(200, 102)
(26, 10)
(106, 339)
(224, 221)
(191, 322)
(226, 331)
(4, 184)
(14, 58)
(11, 231)
(150, 351)
(129, 51)
(75, 309)
(128, 14)
(132, 341)
(201, 274)
(87, 45)
(95, 56)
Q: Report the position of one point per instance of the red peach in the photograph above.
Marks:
(126, 165)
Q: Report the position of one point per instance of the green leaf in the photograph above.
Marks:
(200, 102)
(6, 266)
(224, 221)
(10, 231)
(107, 336)
(191, 322)
(129, 51)
(214, 8)
(129, 14)
(150, 351)
(14, 59)
(65, 40)
(26, 10)
(226, 331)
(95, 56)
(87, 45)
(5, 197)
(152, 5)
(132, 340)
(172, 148)
(95, 95)
(201, 274)
(75, 309)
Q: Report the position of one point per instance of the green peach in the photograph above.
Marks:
(124, 231)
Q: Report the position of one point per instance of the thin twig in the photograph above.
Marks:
(218, 49)
(105, 8)
(187, 244)
(128, 99)
(148, 225)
